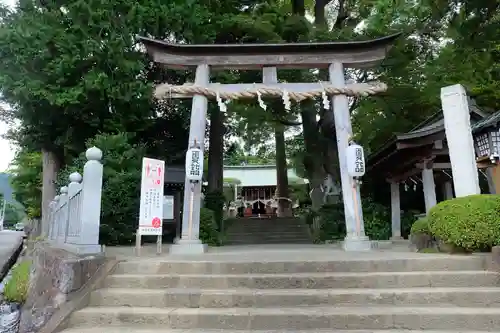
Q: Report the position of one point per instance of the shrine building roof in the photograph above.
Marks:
(398, 157)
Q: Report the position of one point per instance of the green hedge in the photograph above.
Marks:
(208, 228)
(420, 226)
(471, 223)
(377, 220)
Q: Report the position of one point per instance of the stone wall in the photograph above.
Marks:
(57, 276)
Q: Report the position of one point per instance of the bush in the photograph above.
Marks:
(16, 289)
(208, 228)
(214, 201)
(471, 223)
(331, 219)
(377, 219)
(421, 226)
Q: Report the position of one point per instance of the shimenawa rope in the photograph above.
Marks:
(358, 89)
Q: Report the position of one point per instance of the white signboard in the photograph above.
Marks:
(194, 164)
(151, 210)
(355, 160)
(168, 207)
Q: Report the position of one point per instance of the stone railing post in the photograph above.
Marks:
(55, 218)
(61, 198)
(63, 214)
(74, 209)
(90, 208)
(52, 222)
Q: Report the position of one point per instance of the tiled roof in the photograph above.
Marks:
(491, 120)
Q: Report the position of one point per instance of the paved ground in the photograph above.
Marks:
(281, 252)
(9, 243)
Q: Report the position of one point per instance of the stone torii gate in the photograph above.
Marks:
(336, 56)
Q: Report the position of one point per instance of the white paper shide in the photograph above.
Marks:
(151, 209)
(355, 160)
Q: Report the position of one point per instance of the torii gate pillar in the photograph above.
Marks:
(355, 239)
(190, 241)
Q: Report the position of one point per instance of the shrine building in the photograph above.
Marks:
(257, 183)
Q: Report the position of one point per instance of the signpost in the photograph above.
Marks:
(151, 208)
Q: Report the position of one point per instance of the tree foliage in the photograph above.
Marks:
(26, 180)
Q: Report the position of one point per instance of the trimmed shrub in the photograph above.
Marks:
(208, 228)
(16, 289)
(471, 223)
(420, 226)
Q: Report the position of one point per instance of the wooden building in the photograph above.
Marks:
(421, 156)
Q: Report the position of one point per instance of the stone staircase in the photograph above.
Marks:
(428, 294)
(247, 230)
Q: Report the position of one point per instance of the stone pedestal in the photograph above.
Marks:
(361, 243)
(188, 247)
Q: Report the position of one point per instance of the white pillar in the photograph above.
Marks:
(429, 188)
(87, 239)
(395, 211)
(191, 244)
(460, 143)
(355, 239)
(448, 190)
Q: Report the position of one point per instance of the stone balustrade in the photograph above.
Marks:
(76, 211)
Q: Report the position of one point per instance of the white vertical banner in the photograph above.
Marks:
(151, 209)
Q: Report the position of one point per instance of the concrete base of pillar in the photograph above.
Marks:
(81, 249)
(357, 243)
(396, 238)
(183, 247)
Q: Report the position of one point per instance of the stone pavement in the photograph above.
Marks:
(268, 251)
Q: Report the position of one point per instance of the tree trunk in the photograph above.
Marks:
(314, 168)
(298, 7)
(216, 151)
(284, 206)
(319, 13)
(50, 168)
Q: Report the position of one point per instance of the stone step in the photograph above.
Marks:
(268, 234)
(269, 224)
(251, 298)
(263, 241)
(142, 329)
(428, 262)
(297, 318)
(459, 279)
(267, 229)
